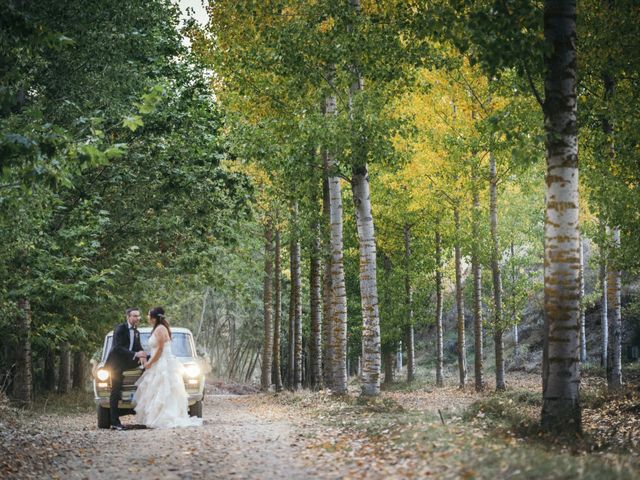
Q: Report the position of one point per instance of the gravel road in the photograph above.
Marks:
(240, 438)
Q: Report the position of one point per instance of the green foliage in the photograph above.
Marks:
(111, 173)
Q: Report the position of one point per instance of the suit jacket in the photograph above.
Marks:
(120, 357)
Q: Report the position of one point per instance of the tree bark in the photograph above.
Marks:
(327, 315)
(297, 319)
(477, 293)
(64, 378)
(49, 370)
(277, 312)
(516, 339)
(604, 307)
(22, 382)
(583, 323)
(79, 370)
(495, 274)
(388, 366)
(614, 353)
(614, 371)
(409, 332)
(439, 326)
(371, 353)
(338, 336)
(291, 337)
(315, 347)
(265, 379)
(561, 374)
(462, 348)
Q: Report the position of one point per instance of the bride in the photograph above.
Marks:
(161, 399)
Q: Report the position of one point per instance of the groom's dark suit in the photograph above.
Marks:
(121, 358)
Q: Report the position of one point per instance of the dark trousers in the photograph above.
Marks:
(115, 397)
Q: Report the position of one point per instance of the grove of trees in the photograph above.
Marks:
(314, 186)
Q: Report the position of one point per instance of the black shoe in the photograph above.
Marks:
(117, 427)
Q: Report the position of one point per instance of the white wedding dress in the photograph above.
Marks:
(161, 399)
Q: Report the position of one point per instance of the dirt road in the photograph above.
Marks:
(237, 441)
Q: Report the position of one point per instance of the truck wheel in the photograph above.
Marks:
(195, 410)
(104, 419)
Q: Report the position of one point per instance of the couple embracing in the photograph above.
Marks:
(161, 399)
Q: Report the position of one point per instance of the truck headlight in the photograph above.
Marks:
(192, 370)
(102, 374)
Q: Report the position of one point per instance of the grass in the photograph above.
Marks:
(496, 435)
(76, 401)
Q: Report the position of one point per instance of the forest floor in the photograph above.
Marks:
(416, 431)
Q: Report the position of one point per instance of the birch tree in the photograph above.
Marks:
(561, 375)
(265, 378)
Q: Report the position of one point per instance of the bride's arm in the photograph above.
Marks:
(162, 335)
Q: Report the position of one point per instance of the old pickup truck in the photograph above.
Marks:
(183, 348)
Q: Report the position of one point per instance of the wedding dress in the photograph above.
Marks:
(161, 399)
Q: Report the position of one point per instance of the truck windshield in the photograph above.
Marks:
(180, 345)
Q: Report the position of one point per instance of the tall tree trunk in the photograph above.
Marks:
(338, 336)
(409, 333)
(495, 273)
(462, 348)
(22, 381)
(604, 307)
(388, 366)
(561, 374)
(291, 335)
(327, 315)
(49, 370)
(371, 353)
(614, 353)
(477, 292)
(297, 311)
(252, 367)
(64, 379)
(265, 379)
(368, 284)
(335, 296)
(315, 347)
(79, 370)
(439, 326)
(583, 323)
(277, 313)
(516, 339)
(614, 372)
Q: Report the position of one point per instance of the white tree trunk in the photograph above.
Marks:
(462, 347)
(614, 374)
(338, 337)
(368, 284)
(265, 378)
(604, 307)
(409, 331)
(561, 373)
(477, 293)
(329, 109)
(297, 323)
(583, 326)
(372, 355)
(277, 318)
(439, 326)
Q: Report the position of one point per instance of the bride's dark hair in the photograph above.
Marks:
(157, 313)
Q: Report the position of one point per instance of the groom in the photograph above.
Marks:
(124, 355)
